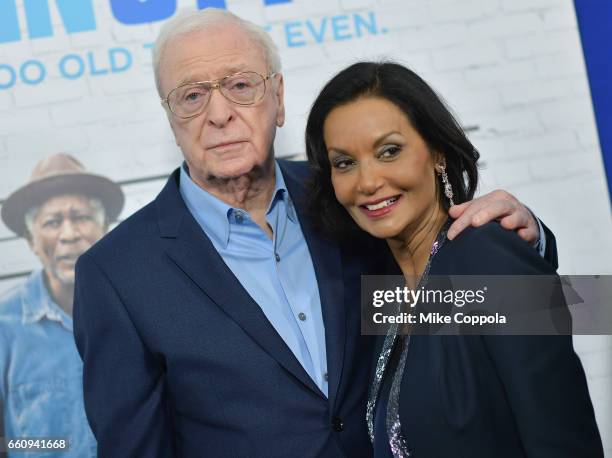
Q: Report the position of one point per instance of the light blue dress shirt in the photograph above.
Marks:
(278, 274)
(540, 244)
(41, 372)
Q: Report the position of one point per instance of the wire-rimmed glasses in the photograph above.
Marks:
(243, 88)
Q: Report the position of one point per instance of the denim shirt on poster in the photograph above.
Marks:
(41, 372)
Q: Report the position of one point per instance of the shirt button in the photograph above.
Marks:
(277, 257)
(239, 217)
(326, 377)
(302, 316)
(337, 424)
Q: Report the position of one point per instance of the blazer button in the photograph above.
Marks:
(337, 424)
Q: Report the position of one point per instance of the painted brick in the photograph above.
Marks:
(580, 86)
(6, 101)
(47, 141)
(566, 112)
(354, 4)
(24, 120)
(132, 34)
(376, 48)
(562, 64)
(560, 18)
(92, 110)
(284, 143)
(534, 91)
(16, 257)
(59, 42)
(251, 11)
(51, 92)
(127, 83)
(587, 136)
(472, 54)
(506, 25)
(470, 102)
(313, 8)
(518, 121)
(540, 44)
(431, 38)
(545, 144)
(531, 5)
(402, 17)
(455, 11)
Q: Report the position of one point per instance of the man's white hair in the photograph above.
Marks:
(190, 21)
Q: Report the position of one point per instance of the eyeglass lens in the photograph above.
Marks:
(242, 88)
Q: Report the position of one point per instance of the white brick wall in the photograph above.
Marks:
(514, 68)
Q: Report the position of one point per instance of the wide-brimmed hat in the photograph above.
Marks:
(56, 175)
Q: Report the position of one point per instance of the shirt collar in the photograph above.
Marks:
(281, 193)
(38, 304)
(213, 215)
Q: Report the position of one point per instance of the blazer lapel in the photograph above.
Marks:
(328, 270)
(193, 253)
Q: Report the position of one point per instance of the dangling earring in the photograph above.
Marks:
(448, 189)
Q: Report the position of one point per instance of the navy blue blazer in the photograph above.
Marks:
(494, 396)
(180, 361)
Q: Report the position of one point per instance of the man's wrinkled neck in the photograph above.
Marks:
(251, 192)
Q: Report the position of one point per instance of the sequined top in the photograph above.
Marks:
(395, 341)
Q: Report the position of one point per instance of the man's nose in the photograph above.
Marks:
(219, 110)
(370, 180)
(69, 231)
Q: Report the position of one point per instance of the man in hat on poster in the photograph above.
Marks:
(61, 212)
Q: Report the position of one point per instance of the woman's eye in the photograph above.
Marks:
(389, 152)
(341, 163)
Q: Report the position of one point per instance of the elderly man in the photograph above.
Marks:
(216, 321)
(62, 211)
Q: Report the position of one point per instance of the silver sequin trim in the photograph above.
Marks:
(397, 442)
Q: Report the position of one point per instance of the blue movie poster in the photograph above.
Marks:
(594, 20)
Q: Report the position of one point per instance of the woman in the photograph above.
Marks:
(387, 155)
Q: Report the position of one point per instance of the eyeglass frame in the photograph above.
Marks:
(216, 84)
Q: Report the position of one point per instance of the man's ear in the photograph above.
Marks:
(171, 120)
(279, 90)
(173, 127)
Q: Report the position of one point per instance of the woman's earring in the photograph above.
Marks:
(448, 189)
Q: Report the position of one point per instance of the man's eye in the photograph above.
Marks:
(194, 95)
(240, 86)
(83, 218)
(52, 223)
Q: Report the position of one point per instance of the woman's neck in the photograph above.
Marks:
(412, 248)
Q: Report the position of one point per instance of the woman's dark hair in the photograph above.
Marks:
(421, 105)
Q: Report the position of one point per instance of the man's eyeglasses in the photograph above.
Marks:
(244, 88)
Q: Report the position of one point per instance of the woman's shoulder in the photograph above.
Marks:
(489, 249)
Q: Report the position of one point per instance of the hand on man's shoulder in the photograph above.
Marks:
(492, 250)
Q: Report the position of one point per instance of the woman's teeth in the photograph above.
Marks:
(383, 204)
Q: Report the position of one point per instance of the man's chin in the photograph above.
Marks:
(65, 277)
